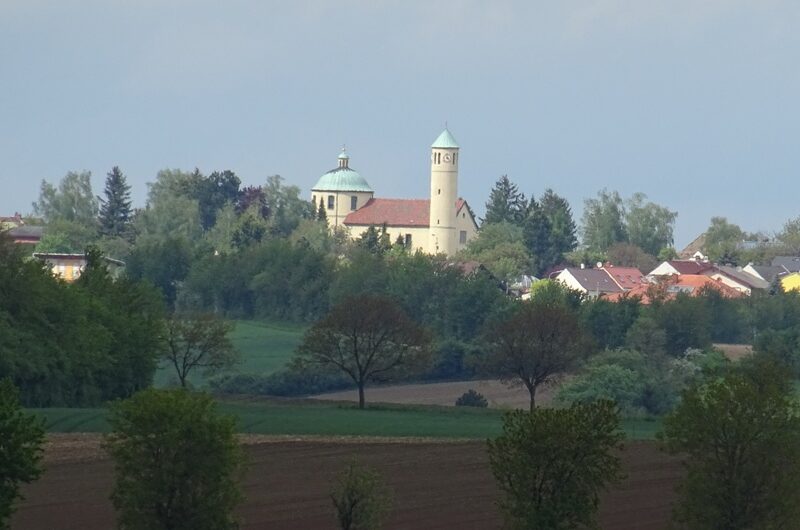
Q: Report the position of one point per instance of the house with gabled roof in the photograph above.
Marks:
(442, 223)
(737, 278)
(681, 266)
(592, 282)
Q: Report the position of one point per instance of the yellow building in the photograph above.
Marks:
(791, 282)
(442, 223)
(70, 266)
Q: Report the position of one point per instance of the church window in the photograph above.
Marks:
(438, 158)
(330, 202)
(408, 241)
(438, 192)
(454, 158)
(314, 199)
(437, 221)
(462, 237)
(353, 202)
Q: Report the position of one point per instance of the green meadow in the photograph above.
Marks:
(298, 417)
(265, 347)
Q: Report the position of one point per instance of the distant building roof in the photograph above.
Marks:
(26, 233)
(689, 266)
(445, 141)
(395, 212)
(695, 246)
(76, 256)
(790, 263)
(768, 272)
(342, 178)
(594, 280)
(626, 277)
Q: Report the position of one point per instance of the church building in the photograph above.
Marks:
(441, 224)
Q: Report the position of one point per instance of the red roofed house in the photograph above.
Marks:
(678, 266)
(669, 286)
(441, 224)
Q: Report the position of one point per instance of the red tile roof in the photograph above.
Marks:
(626, 277)
(669, 287)
(395, 212)
(690, 266)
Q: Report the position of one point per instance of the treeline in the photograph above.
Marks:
(74, 344)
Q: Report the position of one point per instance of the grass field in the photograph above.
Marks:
(265, 348)
(331, 419)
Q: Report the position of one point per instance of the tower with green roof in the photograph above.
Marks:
(444, 193)
(341, 191)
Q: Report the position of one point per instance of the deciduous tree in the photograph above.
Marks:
(21, 441)
(649, 225)
(603, 221)
(741, 438)
(368, 338)
(541, 340)
(198, 342)
(177, 462)
(552, 464)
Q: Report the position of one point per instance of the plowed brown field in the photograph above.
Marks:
(436, 484)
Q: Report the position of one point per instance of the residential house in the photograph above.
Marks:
(70, 266)
(19, 231)
(593, 282)
(737, 278)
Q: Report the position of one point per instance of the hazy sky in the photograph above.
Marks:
(694, 103)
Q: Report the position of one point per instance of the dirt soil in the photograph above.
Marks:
(436, 484)
(498, 394)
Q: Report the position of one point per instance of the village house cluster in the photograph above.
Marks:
(688, 276)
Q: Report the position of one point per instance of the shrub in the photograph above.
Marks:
(360, 498)
(288, 383)
(471, 398)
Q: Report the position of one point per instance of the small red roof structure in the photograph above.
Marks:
(395, 212)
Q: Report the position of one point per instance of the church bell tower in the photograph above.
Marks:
(444, 192)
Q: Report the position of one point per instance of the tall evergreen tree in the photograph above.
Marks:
(322, 215)
(563, 231)
(537, 234)
(506, 203)
(115, 208)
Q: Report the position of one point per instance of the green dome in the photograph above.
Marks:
(445, 141)
(342, 178)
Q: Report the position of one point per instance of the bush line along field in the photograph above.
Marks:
(331, 419)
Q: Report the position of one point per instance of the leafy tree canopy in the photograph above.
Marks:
(552, 464)
(177, 462)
